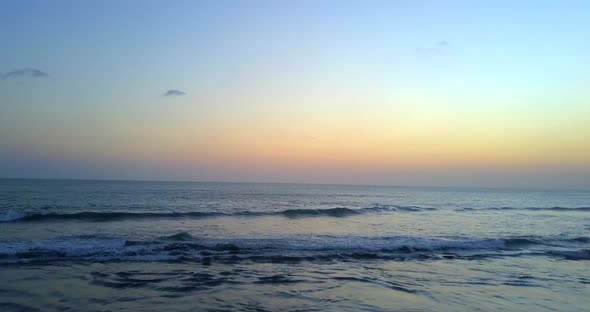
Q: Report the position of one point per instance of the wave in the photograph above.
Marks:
(289, 213)
(557, 208)
(111, 216)
(583, 254)
(337, 212)
(184, 247)
(11, 215)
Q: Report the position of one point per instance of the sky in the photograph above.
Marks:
(433, 93)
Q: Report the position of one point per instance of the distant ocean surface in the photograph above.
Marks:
(176, 246)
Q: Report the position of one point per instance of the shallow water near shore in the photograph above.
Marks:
(112, 245)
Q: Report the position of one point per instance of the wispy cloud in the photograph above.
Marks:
(435, 48)
(25, 73)
(174, 92)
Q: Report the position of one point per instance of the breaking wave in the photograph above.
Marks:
(581, 209)
(337, 212)
(289, 213)
(184, 247)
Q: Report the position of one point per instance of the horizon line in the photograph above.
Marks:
(307, 183)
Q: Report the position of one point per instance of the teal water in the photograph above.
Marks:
(113, 245)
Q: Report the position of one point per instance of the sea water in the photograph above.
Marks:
(178, 246)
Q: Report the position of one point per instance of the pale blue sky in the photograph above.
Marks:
(295, 70)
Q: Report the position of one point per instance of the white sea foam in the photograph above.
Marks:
(95, 248)
(11, 215)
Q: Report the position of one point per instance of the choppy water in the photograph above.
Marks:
(108, 245)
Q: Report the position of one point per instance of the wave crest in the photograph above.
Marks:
(98, 216)
(336, 212)
(184, 247)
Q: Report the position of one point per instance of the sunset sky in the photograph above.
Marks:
(437, 93)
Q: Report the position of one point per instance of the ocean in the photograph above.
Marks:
(69, 245)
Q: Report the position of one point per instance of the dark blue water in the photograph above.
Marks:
(112, 245)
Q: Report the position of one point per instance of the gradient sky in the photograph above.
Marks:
(450, 93)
